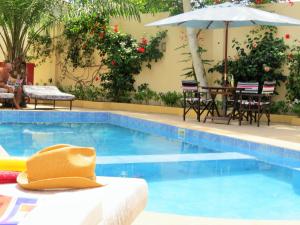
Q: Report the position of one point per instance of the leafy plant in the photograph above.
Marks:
(88, 93)
(296, 109)
(121, 56)
(261, 59)
(171, 98)
(144, 94)
(280, 107)
(293, 83)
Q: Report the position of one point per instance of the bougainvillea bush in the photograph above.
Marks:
(119, 55)
(260, 58)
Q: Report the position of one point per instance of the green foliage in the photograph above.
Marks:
(293, 84)
(121, 55)
(171, 98)
(154, 6)
(280, 107)
(103, 8)
(260, 60)
(88, 93)
(296, 109)
(18, 18)
(144, 94)
(189, 72)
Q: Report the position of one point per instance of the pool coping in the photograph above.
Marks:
(182, 124)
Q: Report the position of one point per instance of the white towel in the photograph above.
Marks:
(68, 208)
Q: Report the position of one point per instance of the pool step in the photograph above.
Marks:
(176, 166)
(172, 158)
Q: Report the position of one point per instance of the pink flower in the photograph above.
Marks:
(141, 50)
(267, 69)
(290, 2)
(254, 44)
(144, 41)
(113, 62)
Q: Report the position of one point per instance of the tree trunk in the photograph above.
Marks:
(194, 45)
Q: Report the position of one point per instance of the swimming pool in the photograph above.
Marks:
(189, 172)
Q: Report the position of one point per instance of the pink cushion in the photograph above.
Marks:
(8, 177)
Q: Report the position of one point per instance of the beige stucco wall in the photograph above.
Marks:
(165, 75)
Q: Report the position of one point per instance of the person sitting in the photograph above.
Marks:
(5, 71)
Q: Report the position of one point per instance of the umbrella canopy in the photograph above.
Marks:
(224, 16)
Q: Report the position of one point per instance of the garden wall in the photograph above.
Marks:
(166, 74)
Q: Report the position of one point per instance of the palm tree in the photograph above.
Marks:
(23, 21)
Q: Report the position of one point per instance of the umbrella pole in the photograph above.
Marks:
(224, 105)
(226, 52)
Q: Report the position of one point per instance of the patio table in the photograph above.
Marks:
(212, 106)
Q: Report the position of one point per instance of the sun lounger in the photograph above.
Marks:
(117, 203)
(4, 96)
(51, 93)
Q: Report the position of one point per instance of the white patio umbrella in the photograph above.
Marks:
(224, 16)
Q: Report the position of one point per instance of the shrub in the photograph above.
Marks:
(280, 107)
(293, 84)
(260, 60)
(296, 109)
(88, 93)
(144, 94)
(171, 98)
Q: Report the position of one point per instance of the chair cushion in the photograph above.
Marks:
(3, 90)
(46, 93)
(6, 95)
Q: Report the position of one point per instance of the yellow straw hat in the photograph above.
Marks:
(60, 166)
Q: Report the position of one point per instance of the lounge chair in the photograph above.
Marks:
(6, 97)
(117, 203)
(51, 93)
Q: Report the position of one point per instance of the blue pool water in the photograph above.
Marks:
(183, 178)
(25, 139)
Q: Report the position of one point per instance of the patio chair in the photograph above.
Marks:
(255, 105)
(263, 102)
(51, 93)
(245, 98)
(6, 97)
(193, 99)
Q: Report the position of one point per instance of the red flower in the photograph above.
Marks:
(287, 36)
(141, 50)
(116, 28)
(97, 78)
(258, 1)
(144, 41)
(113, 62)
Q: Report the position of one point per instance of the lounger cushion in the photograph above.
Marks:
(3, 90)
(6, 95)
(46, 93)
(121, 200)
